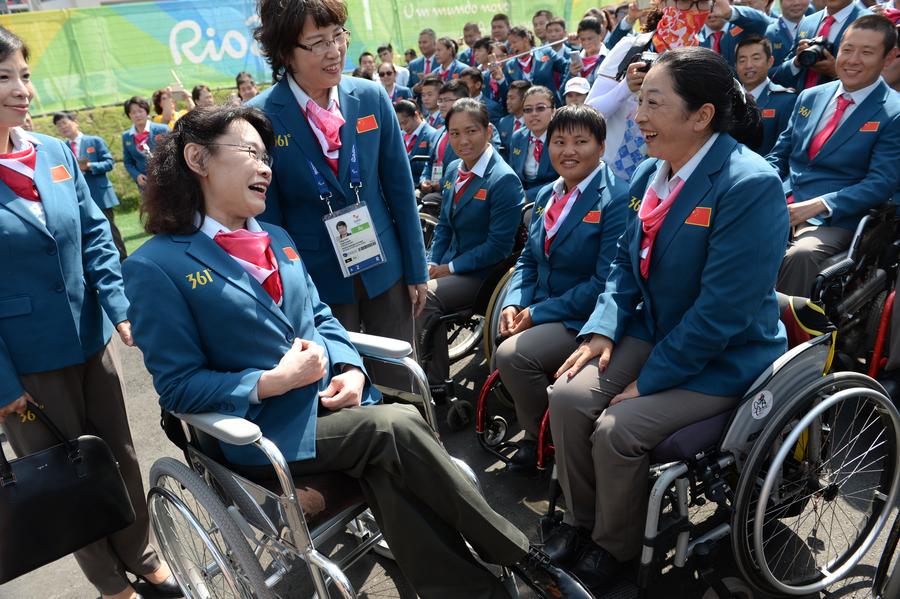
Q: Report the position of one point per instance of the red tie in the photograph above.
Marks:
(444, 73)
(588, 64)
(141, 139)
(717, 41)
(526, 63)
(552, 215)
(21, 183)
(462, 182)
(812, 77)
(74, 147)
(427, 64)
(328, 123)
(822, 136)
(410, 141)
(538, 149)
(517, 124)
(442, 147)
(254, 249)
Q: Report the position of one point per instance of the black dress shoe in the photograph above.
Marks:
(597, 568)
(525, 458)
(547, 580)
(167, 588)
(565, 543)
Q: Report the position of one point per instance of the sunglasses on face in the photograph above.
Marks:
(539, 109)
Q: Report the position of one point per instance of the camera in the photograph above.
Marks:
(815, 51)
(648, 58)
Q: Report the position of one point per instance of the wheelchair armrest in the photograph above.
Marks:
(379, 347)
(224, 427)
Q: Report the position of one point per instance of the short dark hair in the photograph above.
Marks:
(10, 43)
(483, 43)
(406, 108)
(470, 25)
(364, 54)
(540, 89)
(472, 73)
(456, 87)
(473, 108)
(557, 21)
(242, 77)
(195, 93)
(156, 98)
(879, 24)
(385, 48)
(172, 194)
(500, 17)
(433, 80)
(590, 24)
(142, 102)
(61, 116)
(449, 43)
(428, 31)
(280, 24)
(521, 86)
(520, 31)
(409, 52)
(578, 116)
(542, 13)
(752, 39)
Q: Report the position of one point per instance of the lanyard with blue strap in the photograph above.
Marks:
(355, 179)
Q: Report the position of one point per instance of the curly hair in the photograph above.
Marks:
(172, 194)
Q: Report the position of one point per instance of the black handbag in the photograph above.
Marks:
(58, 500)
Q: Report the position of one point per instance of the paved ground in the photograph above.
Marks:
(521, 499)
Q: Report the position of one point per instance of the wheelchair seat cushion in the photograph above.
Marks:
(687, 442)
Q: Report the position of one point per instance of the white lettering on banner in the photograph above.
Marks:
(411, 11)
(186, 36)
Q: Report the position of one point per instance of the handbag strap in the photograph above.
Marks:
(6, 473)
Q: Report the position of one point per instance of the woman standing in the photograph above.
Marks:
(60, 298)
(688, 318)
(387, 75)
(448, 66)
(340, 155)
(139, 141)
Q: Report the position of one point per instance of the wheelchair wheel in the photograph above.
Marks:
(463, 338)
(202, 544)
(428, 222)
(817, 486)
(492, 318)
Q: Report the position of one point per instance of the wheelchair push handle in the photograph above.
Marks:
(829, 274)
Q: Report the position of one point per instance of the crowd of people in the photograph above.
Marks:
(682, 164)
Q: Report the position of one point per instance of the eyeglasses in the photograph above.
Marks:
(260, 157)
(690, 4)
(322, 46)
(442, 101)
(540, 108)
(385, 73)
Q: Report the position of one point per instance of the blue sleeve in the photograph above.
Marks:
(104, 162)
(523, 281)
(440, 240)
(751, 20)
(505, 197)
(616, 36)
(780, 155)
(128, 159)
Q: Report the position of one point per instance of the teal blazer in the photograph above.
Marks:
(207, 349)
(858, 167)
(776, 104)
(62, 287)
(563, 286)
(422, 147)
(749, 21)
(480, 230)
(100, 162)
(135, 162)
(708, 305)
(293, 197)
(518, 150)
(782, 42)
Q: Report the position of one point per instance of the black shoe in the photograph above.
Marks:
(597, 568)
(565, 543)
(167, 588)
(547, 580)
(525, 458)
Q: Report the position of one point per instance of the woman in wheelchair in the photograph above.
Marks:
(562, 268)
(688, 317)
(229, 321)
(480, 214)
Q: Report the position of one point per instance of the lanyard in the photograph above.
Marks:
(355, 179)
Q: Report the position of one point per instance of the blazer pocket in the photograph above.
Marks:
(18, 305)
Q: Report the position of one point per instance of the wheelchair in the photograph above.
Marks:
(226, 536)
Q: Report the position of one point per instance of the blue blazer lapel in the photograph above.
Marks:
(545, 169)
(47, 188)
(474, 185)
(763, 97)
(205, 250)
(17, 206)
(582, 206)
(816, 114)
(350, 111)
(870, 106)
(517, 159)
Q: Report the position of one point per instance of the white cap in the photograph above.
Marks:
(579, 85)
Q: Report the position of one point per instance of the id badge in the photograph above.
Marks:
(437, 173)
(354, 239)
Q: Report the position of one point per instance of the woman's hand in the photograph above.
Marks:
(418, 295)
(597, 345)
(141, 179)
(305, 363)
(344, 390)
(436, 271)
(634, 77)
(18, 405)
(124, 330)
(628, 392)
(522, 321)
(507, 320)
(496, 68)
(575, 65)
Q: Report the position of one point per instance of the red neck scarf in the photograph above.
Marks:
(17, 171)
(253, 253)
(652, 214)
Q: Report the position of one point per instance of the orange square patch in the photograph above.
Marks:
(423, 144)
(481, 194)
(545, 58)
(699, 216)
(870, 127)
(592, 216)
(290, 253)
(735, 31)
(768, 113)
(60, 173)
(366, 123)
(90, 149)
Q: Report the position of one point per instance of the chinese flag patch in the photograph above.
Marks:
(735, 31)
(481, 194)
(699, 216)
(60, 173)
(423, 144)
(870, 127)
(592, 216)
(768, 113)
(290, 253)
(90, 149)
(366, 123)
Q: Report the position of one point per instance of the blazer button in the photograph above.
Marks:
(59, 288)
(51, 250)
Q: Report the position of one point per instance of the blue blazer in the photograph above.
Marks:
(449, 153)
(208, 348)
(135, 161)
(518, 149)
(776, 104)
(495, 107)
(62, 286)
(422, 147)
(708, 305)
(563, 286)
(400, 93)
(749, 21)
(465, 57)
(857, 168)
(546, 62)
(808, 28)
(416, 66)
(479, 231)
(456, 67)
(505, 130)
(782, 42)
(100, 161)
(293, 197)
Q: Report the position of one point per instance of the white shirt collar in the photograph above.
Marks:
(303, 98)
(418, 129)
(559, 186)
(211, 226)
(757, 91)
(859, 95)
(482, 163)
(19, 136)
(542, 138)
(662, 183)
(841, 15)
(133, 131)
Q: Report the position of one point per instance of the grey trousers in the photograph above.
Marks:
(425, 506)
(444, 296)
(88, 399)
(602, 453)
(803, 260)
(387, 315)
(116, 234)
(527, 362)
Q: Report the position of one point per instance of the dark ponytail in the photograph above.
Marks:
(746, 120)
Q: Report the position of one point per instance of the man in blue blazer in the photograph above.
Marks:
(728, 25)
(515, 120)
(840, 154)
(424, 64)
(782, 31)
(95, 161)
(140, 140)
(417, 135)
(479, 88)
(831, 22)
(775, 103)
